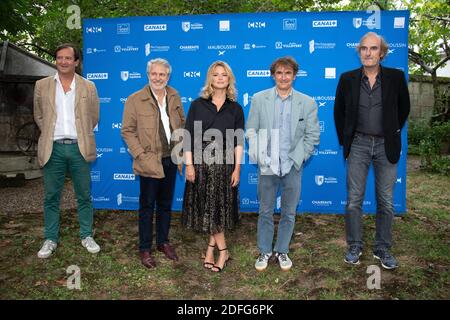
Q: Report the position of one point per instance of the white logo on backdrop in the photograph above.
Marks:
(224, 25)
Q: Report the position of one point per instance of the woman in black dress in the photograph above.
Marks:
(213, 155)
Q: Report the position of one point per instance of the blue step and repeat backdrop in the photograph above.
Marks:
(116, 52)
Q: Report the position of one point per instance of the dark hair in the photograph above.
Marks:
(284, 61)
(76, 51)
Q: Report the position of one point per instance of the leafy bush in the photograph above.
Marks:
(416, 131)
(432, 144)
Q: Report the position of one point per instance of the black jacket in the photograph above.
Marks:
(395, 104)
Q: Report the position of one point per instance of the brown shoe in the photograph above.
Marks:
(168, 250)
(147, 259)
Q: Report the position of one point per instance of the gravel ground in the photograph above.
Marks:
(29, 198)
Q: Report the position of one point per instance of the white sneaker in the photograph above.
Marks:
(284, 261)
(47, 249)
(90, 244)
(262, 261)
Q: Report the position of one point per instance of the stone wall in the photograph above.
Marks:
(421, 95)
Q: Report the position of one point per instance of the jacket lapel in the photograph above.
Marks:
(385, 81)
(78, 91)
(296, 108)
(356, 87)
(52, 94)
(270, 103)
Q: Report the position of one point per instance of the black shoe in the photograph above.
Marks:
(219, 269)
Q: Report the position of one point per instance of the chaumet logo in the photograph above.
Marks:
(322, 203)
(155, 27)
(190, 47)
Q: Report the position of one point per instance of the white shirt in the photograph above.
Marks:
(164, 115)
(65, 111)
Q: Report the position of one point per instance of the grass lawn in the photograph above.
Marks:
(421, 244)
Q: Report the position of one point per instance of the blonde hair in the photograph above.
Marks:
(383, 44)
(208, 90)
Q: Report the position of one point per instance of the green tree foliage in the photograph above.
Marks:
(429, 50)
(40, 25)
(14, 16)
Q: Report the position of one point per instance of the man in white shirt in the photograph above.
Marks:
(151, 115)
(66, 109)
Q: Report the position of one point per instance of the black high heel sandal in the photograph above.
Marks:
(219, 269)
(208, 265)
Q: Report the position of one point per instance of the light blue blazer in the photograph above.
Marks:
(305, 130)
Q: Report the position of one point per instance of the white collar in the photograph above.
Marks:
(72, 85)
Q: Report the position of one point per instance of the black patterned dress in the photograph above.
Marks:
(211, 204)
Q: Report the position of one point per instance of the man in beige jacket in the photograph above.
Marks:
(66, 110)
(150, 117)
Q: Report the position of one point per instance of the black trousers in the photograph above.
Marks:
(157, 192)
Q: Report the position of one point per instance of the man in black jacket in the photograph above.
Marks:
(371, 107)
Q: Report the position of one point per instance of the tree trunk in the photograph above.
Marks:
(440, 111)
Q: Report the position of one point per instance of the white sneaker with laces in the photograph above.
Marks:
(90, 244)
(47, 249)
(284, 261)
(262, 261)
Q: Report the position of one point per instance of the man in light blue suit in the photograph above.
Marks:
(282, 129)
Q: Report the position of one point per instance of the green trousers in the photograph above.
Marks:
(67, 158)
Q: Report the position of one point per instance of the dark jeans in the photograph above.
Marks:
(364, 151)
(159, 191)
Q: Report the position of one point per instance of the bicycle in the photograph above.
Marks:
(27, 137)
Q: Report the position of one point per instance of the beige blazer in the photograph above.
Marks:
(140, 129)
(86, 116)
